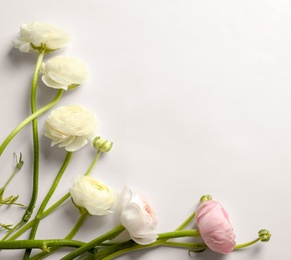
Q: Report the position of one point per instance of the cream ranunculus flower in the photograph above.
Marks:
(71, 127)
(35, 35)
(92, 195)
(138, 217)
(64, 72)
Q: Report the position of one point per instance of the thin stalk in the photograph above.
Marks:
(107, 236)
(41, 244)
(77, 226)
(45, 214)
(186, 222)
(128, 246)
(29, 209)
(27, 120)
(179, 233)
(239, 246)
(17, 168)
(31, 205)
(93, 163)
(51, 208)
(72, 233)
(123, 248)
(46, 200)
(33, 199)
(187, 245)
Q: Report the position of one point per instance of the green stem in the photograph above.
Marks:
(189, 246)
(239, 246)
(107, 236)
(46, 213)
(128, 246)
(186, 222)
(179, 233)
(77, 226)
(46, 200)
(50, 209)
(37, 113)
(31, 205)
(17, 168)
(72, 233)
(42, 244)
(93, 163)
(118, 249)
(124, 248)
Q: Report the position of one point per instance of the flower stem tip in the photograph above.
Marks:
(102, 144)
(264, 235)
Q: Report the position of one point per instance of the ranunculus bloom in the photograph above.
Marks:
(34, 35)
(71, 127)
(92, 195)
(64, 72)
(214, 226)
(138, 217)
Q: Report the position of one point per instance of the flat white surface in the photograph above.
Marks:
(195, 96)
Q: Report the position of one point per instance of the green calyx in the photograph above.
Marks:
(102, 144)
(205, 198)
(264, 235)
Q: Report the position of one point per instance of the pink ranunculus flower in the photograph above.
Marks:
(214, 226)
(138, 217)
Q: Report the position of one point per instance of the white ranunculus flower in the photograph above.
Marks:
(34, 35)
(92, 195)
(71, 127)
(64, 72)
(138, 217)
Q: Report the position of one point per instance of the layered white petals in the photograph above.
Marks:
(71, 127)
(34, 35)
(92, 195)
(138, 217)
(62, 72)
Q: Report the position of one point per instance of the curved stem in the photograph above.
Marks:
(194, 247)
(72, 233)
(17, 168)
(51, 208)
(93, 163)
(128, 246)
(31, 205)
(179, 233)
(77, 226)
(107, 236)
(34, 115)
(46, 213)
(46, 200)
(123, 248)
(186, 222)
(239, 246)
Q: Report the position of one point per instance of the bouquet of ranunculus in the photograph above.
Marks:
(72, 128)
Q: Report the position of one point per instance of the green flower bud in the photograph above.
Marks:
(264, 235)
(205, 198)
(102, 144)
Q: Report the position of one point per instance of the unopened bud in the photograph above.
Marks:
(102, 144)
(264, 235)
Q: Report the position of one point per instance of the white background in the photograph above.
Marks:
(195, 96)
